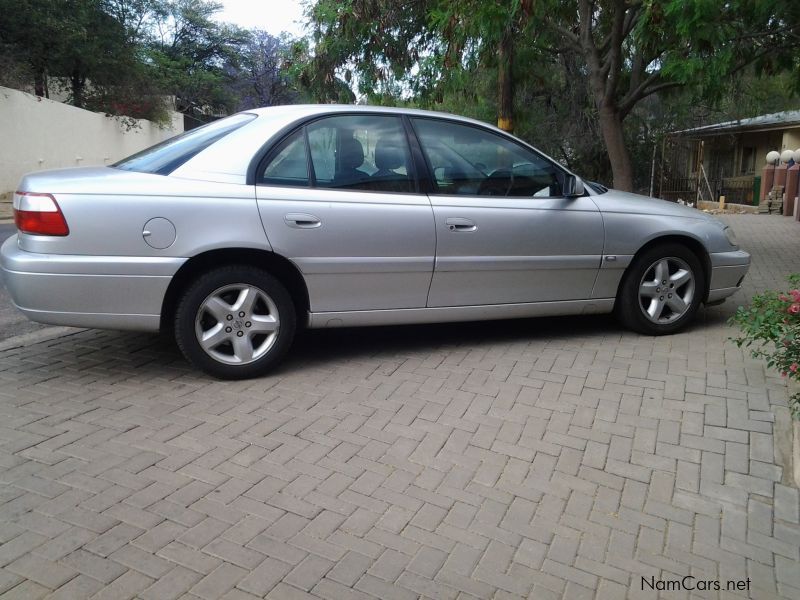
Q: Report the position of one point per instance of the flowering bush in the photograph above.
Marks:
(771, 329)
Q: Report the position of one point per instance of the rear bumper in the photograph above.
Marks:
(111, 292)
(727, 272)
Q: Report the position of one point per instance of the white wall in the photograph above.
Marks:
(36, 134)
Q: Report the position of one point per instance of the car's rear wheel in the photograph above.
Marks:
(662, 290)
(235, 322)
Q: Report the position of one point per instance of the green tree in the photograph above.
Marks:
(621, 52)
(263, 76)
(71, 39)
(633, 49)
(192, 56)
(428, 40)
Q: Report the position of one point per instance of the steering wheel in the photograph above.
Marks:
(499, 183)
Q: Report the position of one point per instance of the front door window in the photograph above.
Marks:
(469, 161)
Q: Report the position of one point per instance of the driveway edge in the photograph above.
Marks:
(786, 439)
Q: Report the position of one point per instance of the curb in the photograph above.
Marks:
(37, 337)
(786, 440)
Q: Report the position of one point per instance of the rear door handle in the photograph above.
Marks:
(460, 224)
(302, 221)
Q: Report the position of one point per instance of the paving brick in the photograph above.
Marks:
(127, 586)
(113, 539)
(20, 546)
(142, 561)
(42, 571)
(183, 555)
(497, 463)
(219, 581)
(26, 590)
(79, 587)
(172, 585)
(94, 566)
(260, 580)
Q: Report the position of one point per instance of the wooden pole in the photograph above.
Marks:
(699, 172)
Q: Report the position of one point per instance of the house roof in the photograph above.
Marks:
(779, 120)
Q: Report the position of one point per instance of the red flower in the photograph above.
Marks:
(793, 368)
(794, 308)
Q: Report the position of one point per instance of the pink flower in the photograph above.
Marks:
(793, 368)
(783, 298)
(784, 374)
(794, 308)
(795, 295)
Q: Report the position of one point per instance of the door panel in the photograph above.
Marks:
(369, 250)
(349, 217)
(504, 232)
(516, 250)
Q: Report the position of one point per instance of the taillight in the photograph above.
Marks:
(38, 214)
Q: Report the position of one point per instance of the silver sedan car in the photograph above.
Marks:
(235, 234)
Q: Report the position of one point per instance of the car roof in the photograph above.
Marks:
(310, 110)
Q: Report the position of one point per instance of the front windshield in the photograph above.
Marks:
(164, 158)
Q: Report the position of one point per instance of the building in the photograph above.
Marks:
(702, 162)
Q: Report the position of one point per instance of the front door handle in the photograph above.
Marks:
(302, 221)
(460, 224)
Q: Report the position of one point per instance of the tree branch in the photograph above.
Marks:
(643, 91)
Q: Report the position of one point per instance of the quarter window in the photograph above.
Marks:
(288, 166)
(469, 161)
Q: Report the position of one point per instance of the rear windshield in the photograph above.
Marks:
(164, 158)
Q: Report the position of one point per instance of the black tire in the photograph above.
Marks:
(629, 305)
(274, 345)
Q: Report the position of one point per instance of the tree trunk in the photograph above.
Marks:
(621, 167)
(78, 83)
(505, 83)
(38, 84)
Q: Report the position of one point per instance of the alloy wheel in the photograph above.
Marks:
(237, 324)
(666, 290)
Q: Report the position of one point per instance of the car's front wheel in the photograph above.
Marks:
(235, 322)
(662, 290)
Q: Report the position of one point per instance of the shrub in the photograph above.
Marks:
(770, 328)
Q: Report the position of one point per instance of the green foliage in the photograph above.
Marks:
(770, 328)
(649, 64)
(74, 39)
(189, 55)
(139, 58)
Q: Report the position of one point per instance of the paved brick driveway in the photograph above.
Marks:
(541, 458)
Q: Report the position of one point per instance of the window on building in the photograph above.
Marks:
(748, 160)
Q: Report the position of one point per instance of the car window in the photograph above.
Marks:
(470, 161)
(164, 158)
(289, 165)
(360, 152)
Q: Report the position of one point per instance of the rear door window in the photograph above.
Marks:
(361, 152)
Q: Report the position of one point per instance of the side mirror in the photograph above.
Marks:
(573, 187)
